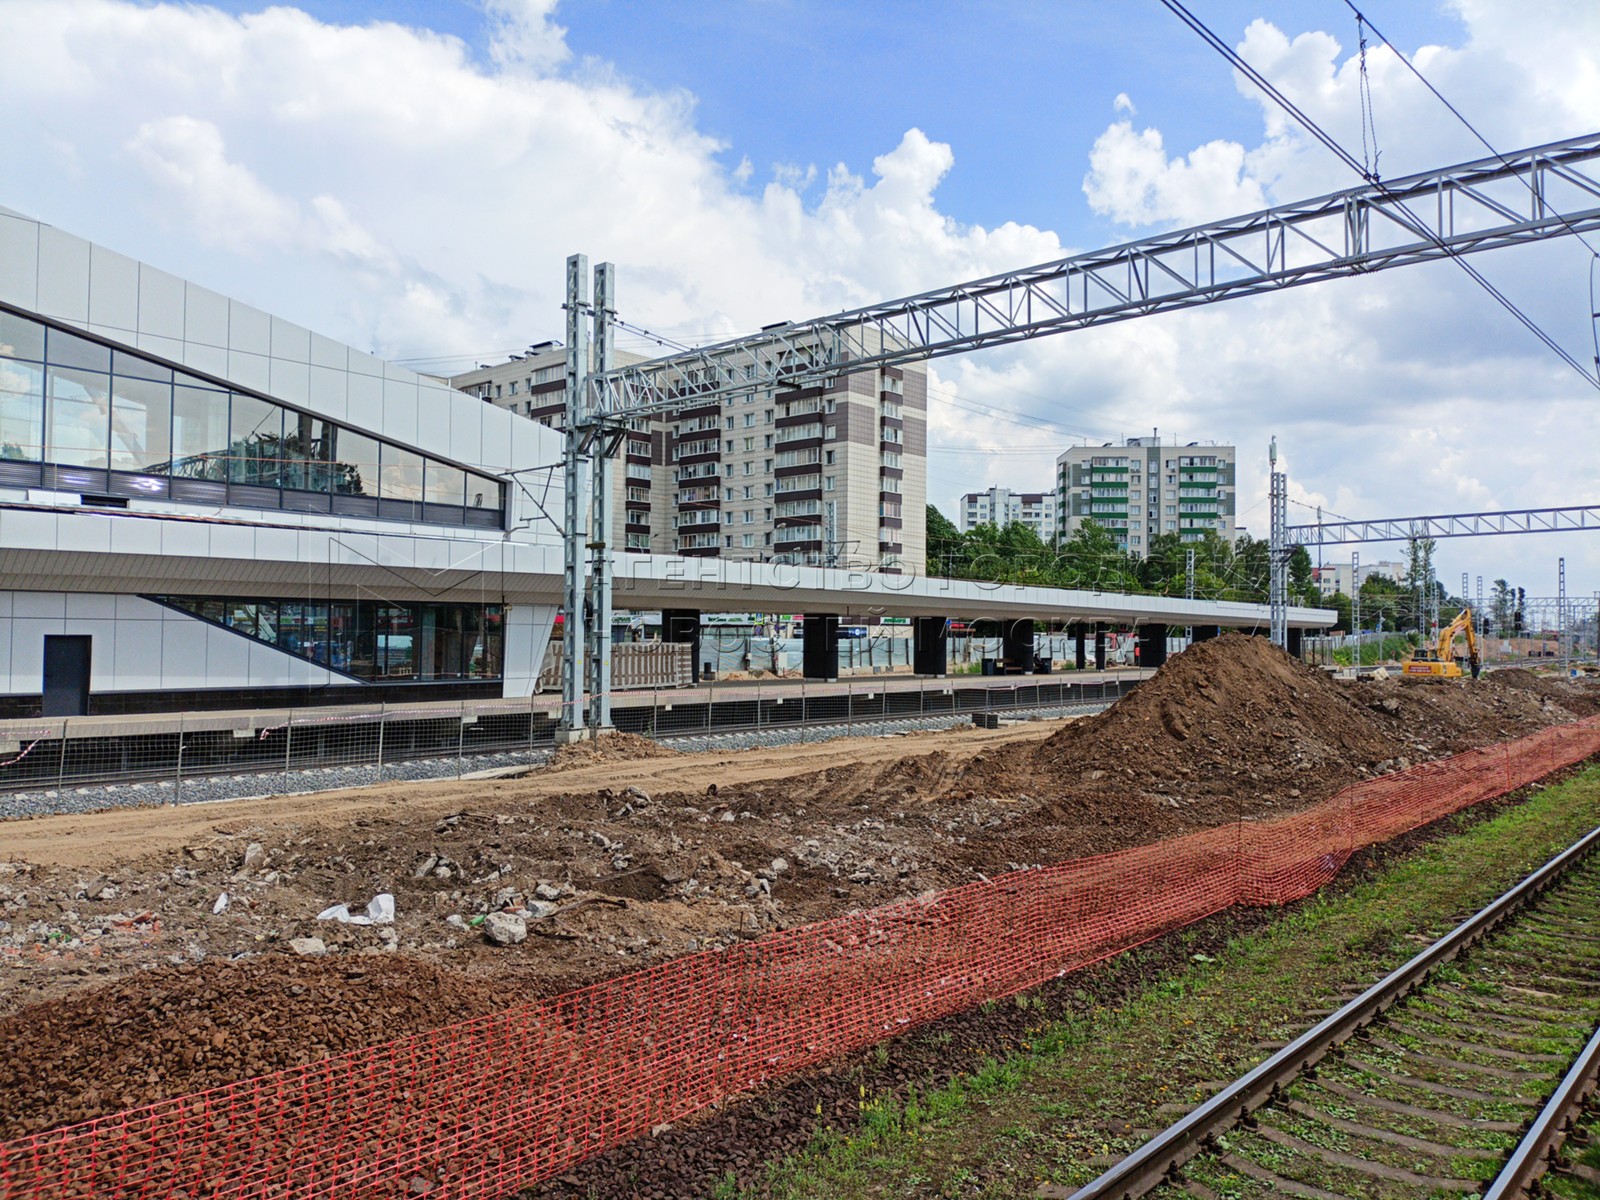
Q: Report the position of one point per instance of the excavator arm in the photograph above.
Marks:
(1447, 638)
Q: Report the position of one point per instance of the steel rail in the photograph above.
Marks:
(1157, 1160)
(1539, 1147)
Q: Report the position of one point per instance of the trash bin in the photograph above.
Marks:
(988, 666)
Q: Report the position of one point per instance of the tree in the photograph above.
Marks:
(1501, 605)
(945, 544)
(1340, 603)
(1302, 581)
(1092, 558)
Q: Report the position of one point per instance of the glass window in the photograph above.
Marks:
(402, 474)
(141, 425)
(21, 410)
(353, 461)
(445, 484)
(242, 616)
(21, 338)
(199, 433)
(255, 443)
(306, 441)
(482, 493)
(78, 416)
(138, 368)
(67, 350)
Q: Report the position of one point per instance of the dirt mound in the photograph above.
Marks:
(609, 748)
(1581, 698)
(170, 1032)
(1233, 722)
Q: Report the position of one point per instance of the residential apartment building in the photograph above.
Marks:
(1001, 506)
(1340, 577)
(1145, 487)
(828, 475)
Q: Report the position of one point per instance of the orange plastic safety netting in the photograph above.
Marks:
(483, 1108)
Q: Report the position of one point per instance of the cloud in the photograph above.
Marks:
(1132, 179)
(390, 186)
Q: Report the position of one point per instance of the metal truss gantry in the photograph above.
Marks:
(1526, 196)
(1404, 529)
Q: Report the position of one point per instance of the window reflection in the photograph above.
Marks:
(21, 338)
(370, 639)
(402, 474)
(141, 425)
(445, 484)
(306, 444)
(21, 410)
(79, 412)
(255, 448)
(353, 459)
(68, 350)
(199, 433)
(67, 400)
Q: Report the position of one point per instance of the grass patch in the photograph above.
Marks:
(1084, 1086)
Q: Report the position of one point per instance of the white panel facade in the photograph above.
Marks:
(56, 546)
(140, 646)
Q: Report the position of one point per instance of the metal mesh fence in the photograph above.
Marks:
(484, 1108)
(309, 749)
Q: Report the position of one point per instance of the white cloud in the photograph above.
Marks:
(1132, 179)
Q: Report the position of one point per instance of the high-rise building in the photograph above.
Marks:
(1001, 506)
(829, 475)
(1145, 487)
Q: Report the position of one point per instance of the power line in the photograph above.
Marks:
(1594, 254)
(1249, 72)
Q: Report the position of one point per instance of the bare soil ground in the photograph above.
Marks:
(123, 977)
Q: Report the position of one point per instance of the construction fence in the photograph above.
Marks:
(487, 1107)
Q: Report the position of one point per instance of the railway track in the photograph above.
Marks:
(1458, 1074)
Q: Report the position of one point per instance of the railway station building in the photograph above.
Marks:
(196, 495)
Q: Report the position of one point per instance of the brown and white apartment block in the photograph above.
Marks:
(826, 476)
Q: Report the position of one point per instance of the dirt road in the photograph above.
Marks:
(105, 840)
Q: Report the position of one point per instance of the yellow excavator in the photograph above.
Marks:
(1440, 662)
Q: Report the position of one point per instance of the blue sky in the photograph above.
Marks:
(418, 197)
(1019, 87)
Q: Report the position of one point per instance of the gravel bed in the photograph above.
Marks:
(203, 789)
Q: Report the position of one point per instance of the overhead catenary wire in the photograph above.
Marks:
(1417, 224)
(1594, 253)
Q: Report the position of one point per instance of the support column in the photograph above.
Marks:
(573, 725)
(1080, 651)
(1204, 633)
(819, 642)
(1016, 643)
(1152, 645)
(1294, 643)
(1278, 553)
(600, 522)
(930, 646)
(682, 626)
(1099, 645)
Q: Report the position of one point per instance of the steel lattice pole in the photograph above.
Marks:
(1278, 554)
(600, 522)
(575, 535)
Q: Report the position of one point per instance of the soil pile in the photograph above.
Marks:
(170, 1032)
(1579, 697)
(610, 748)
(1231, 724)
